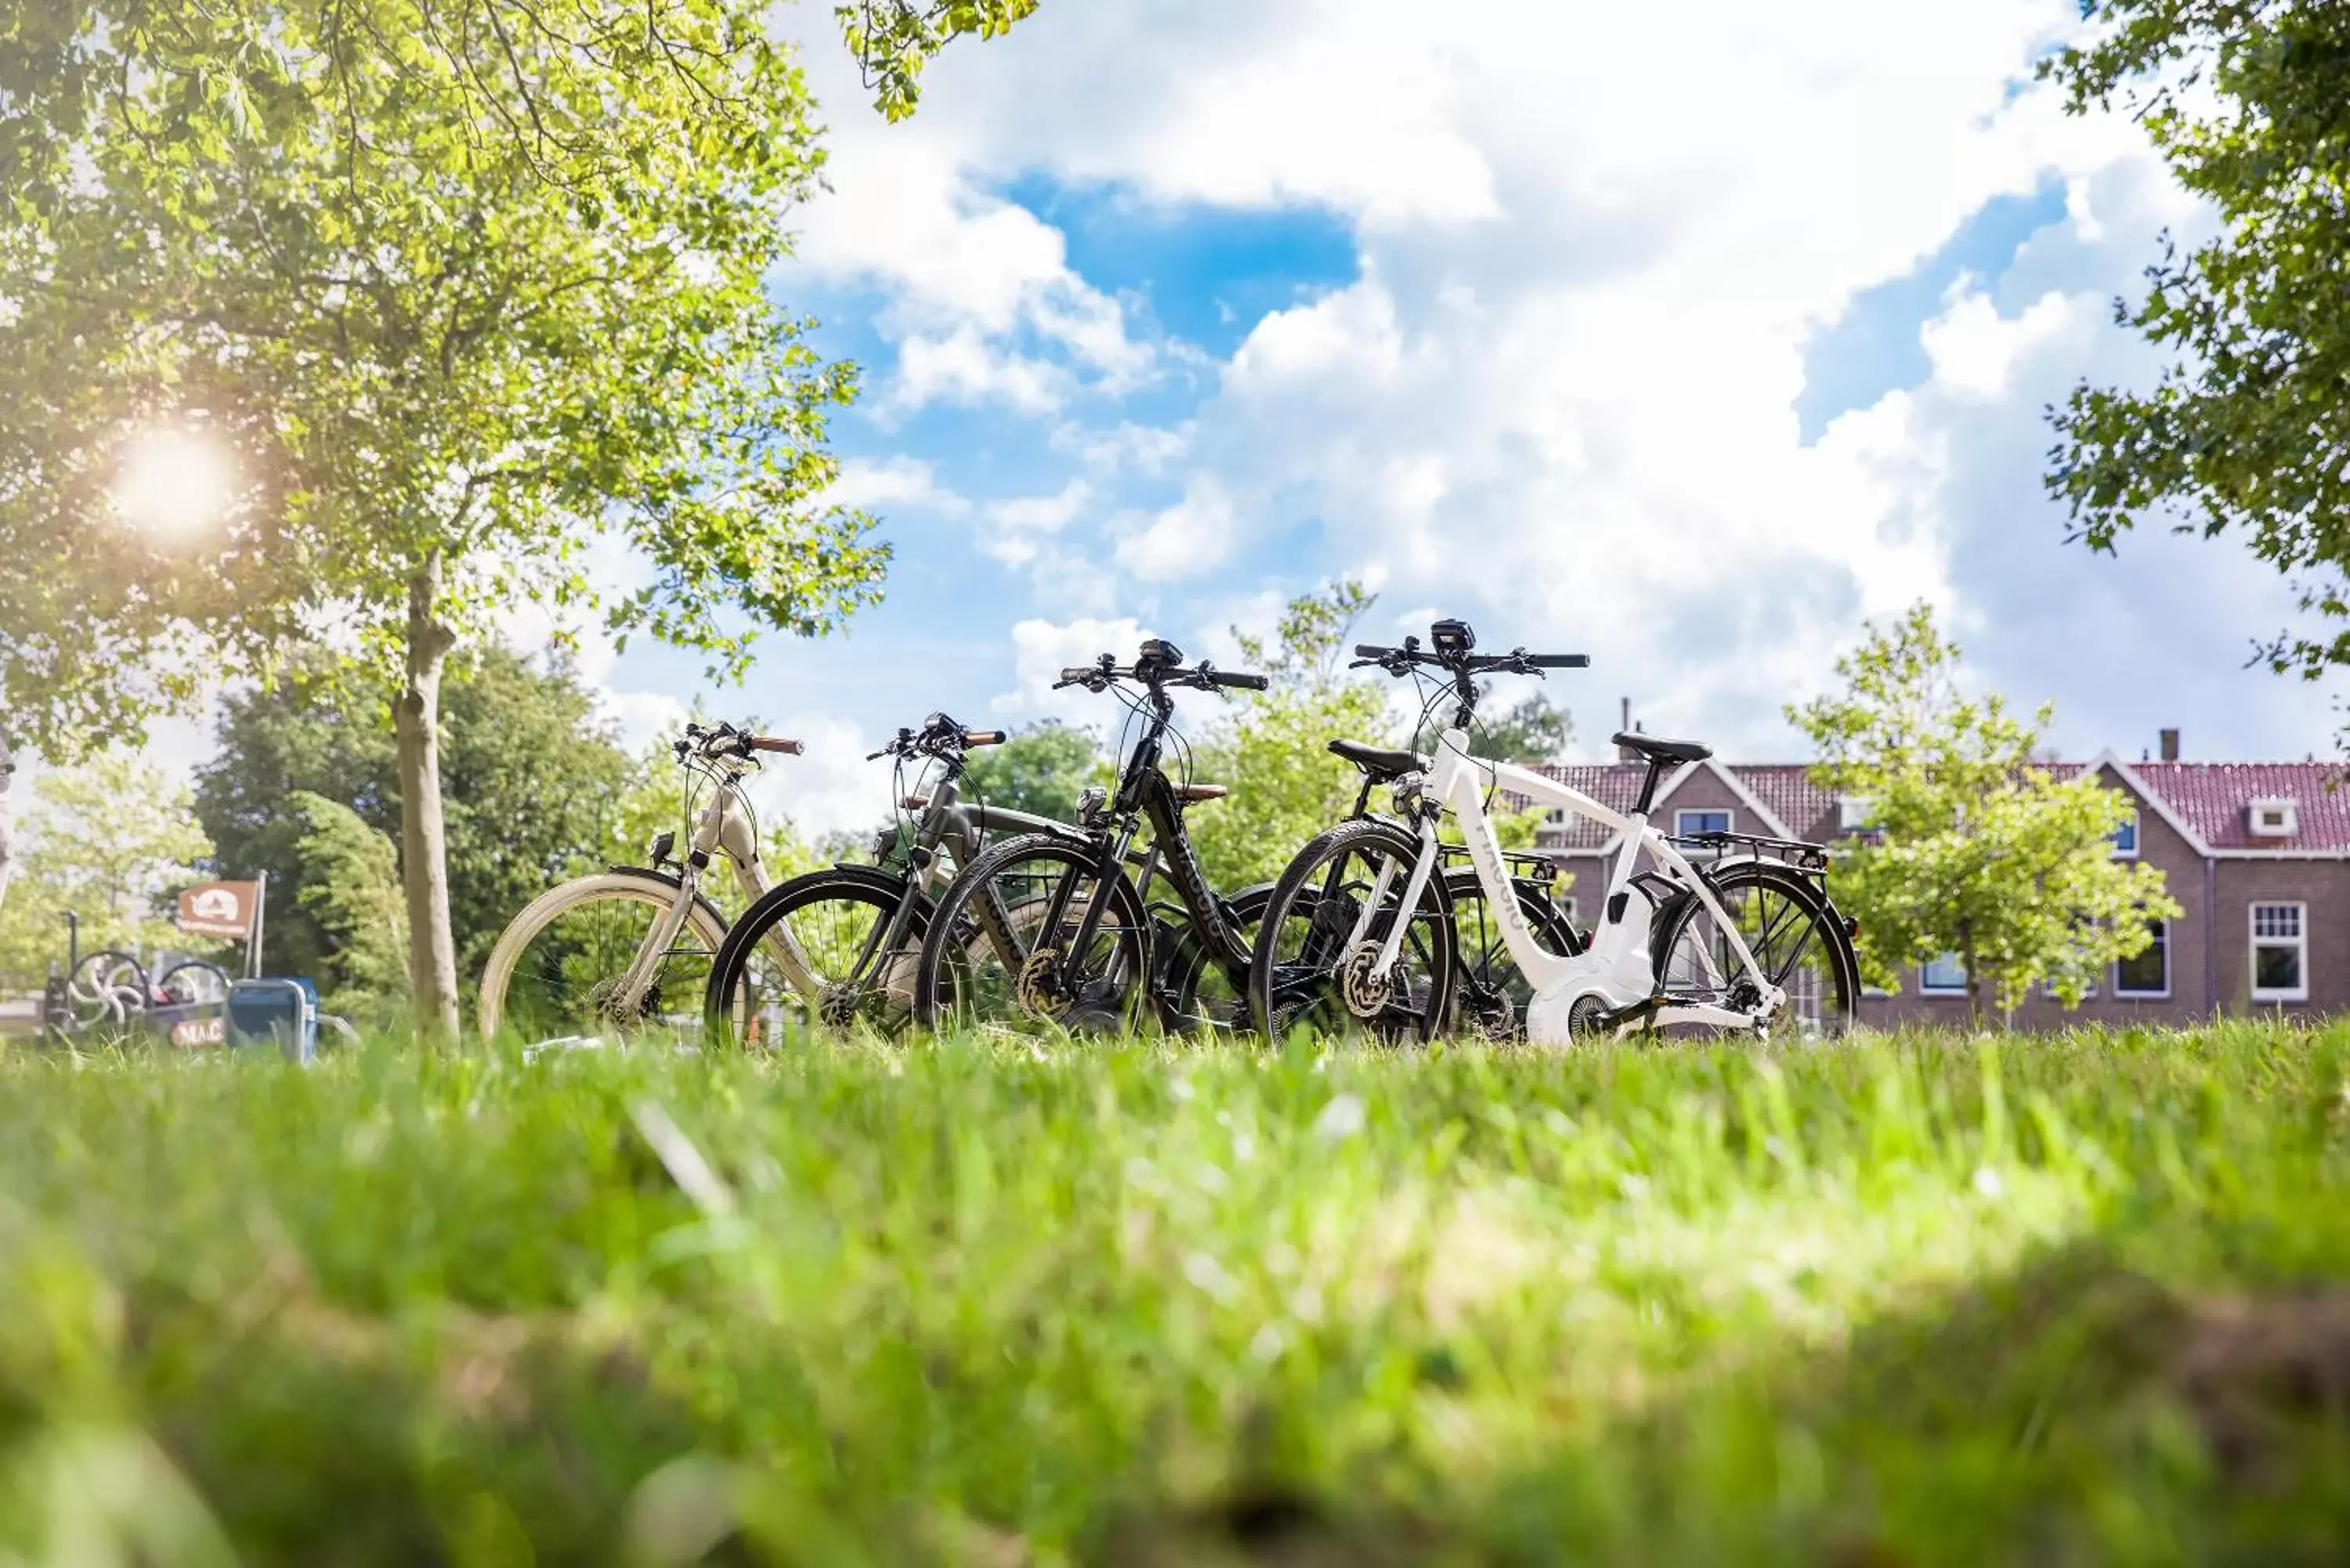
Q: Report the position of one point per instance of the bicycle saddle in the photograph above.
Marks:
(1377, 761)
(1657, 748)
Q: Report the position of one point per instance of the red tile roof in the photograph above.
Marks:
(2213, 799)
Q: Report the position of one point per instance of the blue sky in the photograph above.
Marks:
(1172, 309)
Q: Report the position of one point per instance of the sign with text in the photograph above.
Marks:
(219, 909)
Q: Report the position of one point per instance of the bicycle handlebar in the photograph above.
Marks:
(1400, 660)
(776, 744)
(1202, 676)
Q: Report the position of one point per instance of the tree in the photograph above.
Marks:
(1533, 730)
(1042, 770)
(1976, 849)
(893, 40)
(2248, 428)
(108, 839)
(532, 780)
(435, 295)
(1273, 751)
(351, 888)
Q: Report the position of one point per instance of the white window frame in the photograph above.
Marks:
(2136, 826)
(1853, 811)
(2299, 943)
(1681, 829)
(2288, 813)
(1926, 987)
(2125, 993)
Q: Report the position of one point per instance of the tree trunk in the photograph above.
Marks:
(1974, 980)
(423, 845)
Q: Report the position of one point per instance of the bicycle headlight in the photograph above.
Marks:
(1406, 790)
(1090, 800)
(884, 841)
(1452, 639)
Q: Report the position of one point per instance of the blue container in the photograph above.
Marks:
(279, 1013)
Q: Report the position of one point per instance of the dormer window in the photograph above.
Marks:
(2275, 816)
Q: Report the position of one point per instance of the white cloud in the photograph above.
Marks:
(1042, 649)
(1192, 536)
(1015, 527)
(963, 367)
(904, 482)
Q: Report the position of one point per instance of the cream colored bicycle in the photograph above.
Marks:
(629, 948)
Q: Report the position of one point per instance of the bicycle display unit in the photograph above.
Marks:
(973, 915)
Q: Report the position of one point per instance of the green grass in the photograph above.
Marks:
(1899, 1302)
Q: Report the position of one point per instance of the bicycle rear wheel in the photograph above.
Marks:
(1796, 939)
(1491, 995)
(553, 974)
(1311, 969)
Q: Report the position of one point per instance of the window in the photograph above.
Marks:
(1559, 818)
(2275, 817)
(1853, 811)
(2125, 839)
(1686, 823)
(1944, 974)
(2280, 952)
(2148, 973)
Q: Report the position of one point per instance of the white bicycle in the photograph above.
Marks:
(630, 947)
(1359, 932)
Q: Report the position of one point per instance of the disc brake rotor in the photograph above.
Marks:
(1039, 986)
(1365, 986)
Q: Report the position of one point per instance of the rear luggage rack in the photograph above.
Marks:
(1799, 853)
(1522, 859)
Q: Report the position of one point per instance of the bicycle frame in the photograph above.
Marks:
(723, 828)
(1618, 967)
(1144, 794)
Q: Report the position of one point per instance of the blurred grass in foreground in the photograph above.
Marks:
(1906, 1300)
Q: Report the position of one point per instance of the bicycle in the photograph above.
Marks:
(1749, 943)
(639, 935)
(1487, 994)
(861, 927)
(1050, 931)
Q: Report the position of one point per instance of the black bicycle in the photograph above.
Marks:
(1069, 937)
(838, 947)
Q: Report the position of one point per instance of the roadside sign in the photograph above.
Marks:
(219, 909)
(191, 1033)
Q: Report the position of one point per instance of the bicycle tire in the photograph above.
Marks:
(621, 884)
(1837, 1001)
(1501, 1017)
(1188, 963)
(955, 922)
(1273, 983)
(723, 1021)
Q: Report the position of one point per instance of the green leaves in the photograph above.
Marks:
(478, 278)
(1978, 849)
(2248, 428)
(893, 40)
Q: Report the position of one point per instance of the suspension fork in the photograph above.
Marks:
(1110, 864)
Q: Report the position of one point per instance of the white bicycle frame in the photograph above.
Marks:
(723, 828)
(1618, 967)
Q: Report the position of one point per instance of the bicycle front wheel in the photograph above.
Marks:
(835, 927)
(1797, 941)
(1318, 961)
(557, 970)
(1007, 950)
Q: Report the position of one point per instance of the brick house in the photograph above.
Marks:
(2256, 854)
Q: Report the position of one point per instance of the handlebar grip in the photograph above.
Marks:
(1243, 681)
(1075, 672)
(776, 744)
(1559, 660)
(983, 737)
(1371, 651)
